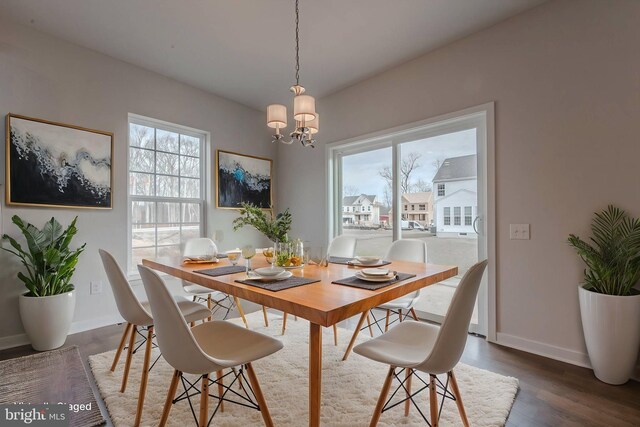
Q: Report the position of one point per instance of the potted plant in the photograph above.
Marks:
(609, 302)
(46, 309)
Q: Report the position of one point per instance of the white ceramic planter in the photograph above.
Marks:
(47, 320)
(611, 327)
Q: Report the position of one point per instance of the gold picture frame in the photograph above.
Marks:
(57, 165)
(243, 179)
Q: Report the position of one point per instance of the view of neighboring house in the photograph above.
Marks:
(361, 210)
(385, 216)
(455, 197)
(418, 207)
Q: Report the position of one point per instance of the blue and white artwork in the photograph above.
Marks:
(58, 165)
(243, 179)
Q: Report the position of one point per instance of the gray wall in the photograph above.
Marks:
(54, 80)
(565, 77)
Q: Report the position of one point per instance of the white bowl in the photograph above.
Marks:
(375, 271)
(269, 271)
(368, 260)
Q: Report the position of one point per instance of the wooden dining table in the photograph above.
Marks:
(322, 303)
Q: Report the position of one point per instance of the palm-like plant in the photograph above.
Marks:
(613, 256)
(48, 260)
(275, 228)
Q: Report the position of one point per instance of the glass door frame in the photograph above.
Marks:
(480, 117)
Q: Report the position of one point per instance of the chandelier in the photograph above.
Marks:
(304, 108)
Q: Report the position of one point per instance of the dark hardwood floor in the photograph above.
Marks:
(551, 393)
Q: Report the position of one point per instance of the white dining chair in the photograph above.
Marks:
(204, 246)
(411, 250)
(341, 246)
(137, 315)
(206, 348)
(423, 347)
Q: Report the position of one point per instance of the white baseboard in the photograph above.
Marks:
(76, 327)
(547, 350)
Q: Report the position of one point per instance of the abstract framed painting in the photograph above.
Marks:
(57, 165)
(242, 179)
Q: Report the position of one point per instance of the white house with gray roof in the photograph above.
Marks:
(455, 197)
(361, 210)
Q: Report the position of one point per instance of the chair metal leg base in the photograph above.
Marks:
(244, 396)
(434, 385)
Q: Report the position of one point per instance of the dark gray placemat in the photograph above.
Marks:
(347, 261)
(372, 286)
(280, 285)
(221, 271)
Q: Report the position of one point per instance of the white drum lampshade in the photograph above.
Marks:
(277, 116)
(314, 125)
(304, 108)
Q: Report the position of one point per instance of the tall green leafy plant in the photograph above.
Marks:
(276, 228)
(48, 260)
(613, 254)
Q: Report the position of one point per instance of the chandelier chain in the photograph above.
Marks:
(297, 45)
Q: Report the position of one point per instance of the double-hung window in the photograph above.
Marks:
(166, 188)
(447, 215)
(468, 220)
(456, 215)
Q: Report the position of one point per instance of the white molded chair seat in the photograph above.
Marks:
(241, 345)
(404, 346)
(192, 311)
(405, 302)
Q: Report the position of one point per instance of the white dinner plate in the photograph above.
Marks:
(282, 276)
(269, 271)
(375, 271)
(368, 260)
(390, 276)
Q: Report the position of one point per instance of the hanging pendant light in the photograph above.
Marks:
(304, 108)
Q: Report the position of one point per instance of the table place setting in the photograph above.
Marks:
(373, 278)
(274, 279)
(360, 261)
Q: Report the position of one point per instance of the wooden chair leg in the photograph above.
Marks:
(335, 334)
(264, 410)
(433, 401)
(456, 393)
(413, 313)
(145, 375)
(264, 313)
(284, 323)
(239, 307)
(386, 322)
(209, 306)
(204, 401)
(369, 324)
(127, 363)
(407, 384)
(192, 324)
(116, 359)
(170, 395)
(355, 335)
(220, 389)
(400, 315)
(383, 396)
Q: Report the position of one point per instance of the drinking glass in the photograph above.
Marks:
(248, 252)
(234, 257)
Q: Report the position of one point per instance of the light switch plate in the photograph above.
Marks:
(96, 287)
(519, 232)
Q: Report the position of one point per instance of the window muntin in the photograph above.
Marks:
(166, 189)
(447, 215)
(441, 191)
(456, 215)
(468, 220)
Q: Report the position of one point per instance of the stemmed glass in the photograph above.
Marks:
(248, 252)
(234, 257)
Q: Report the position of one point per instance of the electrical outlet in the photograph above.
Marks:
(519, 232)
(96, 287)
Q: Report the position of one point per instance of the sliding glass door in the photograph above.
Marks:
(426, 183)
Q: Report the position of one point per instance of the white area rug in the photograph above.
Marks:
(349, 389)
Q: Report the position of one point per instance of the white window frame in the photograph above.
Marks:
(482, 117)
(205, 167)
(441, 190)
(446, 215)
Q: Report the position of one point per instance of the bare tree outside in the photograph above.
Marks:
(407, 167)
(350, 190)
(421, 186)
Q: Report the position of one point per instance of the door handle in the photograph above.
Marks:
(475, 221)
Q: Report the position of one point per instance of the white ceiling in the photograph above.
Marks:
(244, 49)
